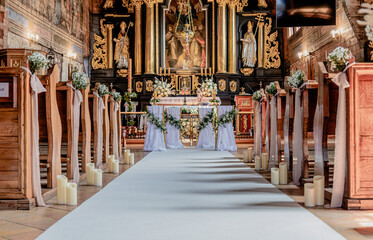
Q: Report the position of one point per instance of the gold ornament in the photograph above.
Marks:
(233, 86)
(108, 4)
(271, 54)
(247, 71)
(129, 5)
(99, 60)
(241, 5)
(149, 85)
(222, 85)
(262, 3)
(139, 87)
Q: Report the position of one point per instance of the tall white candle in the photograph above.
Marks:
(283, 173)
(275, 176)
(250, 152)
(90, 177)
(132, 161)
(125, 156)
(71, 194)
(309, 195)
(265, 161)
(116, 166)
(61, 189)
(98, 177)
(258, 163)
(319, 182)
(128, 158)
(110, 161)
(245, 157)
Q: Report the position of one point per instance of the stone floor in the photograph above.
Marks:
(22, 225)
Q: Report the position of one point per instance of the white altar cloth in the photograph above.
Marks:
(180, 100)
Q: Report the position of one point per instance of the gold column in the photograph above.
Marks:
(110, 56)
(138, 28)
(232, 40)
(156, 39)
(222, 36)
(149, 38)
(260, 45)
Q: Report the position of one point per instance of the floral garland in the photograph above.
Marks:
(208, 87)
(37, 61)
(154, 100)
(80, 80)
(173, 121)
(296, 80)
(209, 118)
(116, 95)
(227, 117)
(102, 90)
(155, 121)
(339, 58)
(189, 110)
(257, 96)
(215, 101)
(271, 89)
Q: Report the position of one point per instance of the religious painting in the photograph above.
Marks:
(62, 17)
(185, 35)
(43, 8)
(77, 11)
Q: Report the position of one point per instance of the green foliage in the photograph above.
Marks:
(257, 96)
(209, 118)
(116, 95)
(155, 121)
(80, 80)
(37, 61)
(227, 117)
(296, 80)
(173, 121)
(102, 90)
(271, 89)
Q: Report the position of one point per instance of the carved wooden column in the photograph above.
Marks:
(149, 38)
(222, 36)
(138, 29)
(110, 55)
(260, 44)
(232, 39)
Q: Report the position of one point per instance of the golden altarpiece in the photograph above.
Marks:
(183, 42)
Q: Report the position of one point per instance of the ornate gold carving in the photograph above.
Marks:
(271, 54)
(108, 4)
(247, 71)
(129, 5)
(15, 62)
(99, 60)
(149, 86)
(233, 86)
(194, 82)
(150, 2)
(137, 3)
(262, 3)
(244, 122)
(245, 103)
(138, 86)
(371, 52)
(241, 5)
(222, 85)
(222, 2)
(122, 72)
(117, 15)
(233, 2)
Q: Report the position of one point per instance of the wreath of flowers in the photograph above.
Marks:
(37, 61)
(227, 117)
(209, 118)
(102, 90)
(155, 121)
(80, 80)
(296, 80)
(257, 96)
(173, 121)
(271, 89)
(116, 95)
(339, 58)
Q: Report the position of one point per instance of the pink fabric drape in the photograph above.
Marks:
(36, 87)
(267, 127)
(298, 138)
(318, 123)
(258, 129)
(273, 156)
(78, 99)
(286, 129)
(101, 107)
(115, 129)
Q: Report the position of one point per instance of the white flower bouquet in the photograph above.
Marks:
(102, 90)
(116, 96)
(162, 89)
(296, 80)
(37, 61)
(80, 80)
(271, 89)
(339, 58)
(208, 87)
(257, 96)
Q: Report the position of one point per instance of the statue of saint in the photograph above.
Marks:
(249, 47)
(171, 47)
(121, 54)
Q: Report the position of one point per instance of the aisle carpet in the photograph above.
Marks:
(190, 194)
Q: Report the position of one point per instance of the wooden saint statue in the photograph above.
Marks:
(121, 54)
(249, 47)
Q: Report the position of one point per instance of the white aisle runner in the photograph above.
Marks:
(190, 194)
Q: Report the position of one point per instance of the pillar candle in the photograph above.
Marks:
(160, 71)
(132, 159)
(128, 157)
(98, 177)
(210, 71)
(125, 156)
(265, 161)
(309, 195)
(61, 189)
(318, 182)
(169, 71)
(283, 173)
(110, 160)
(258, 163)
(244, 159)
(71, 194)
(115, 166)
(250, 152)
(275, 176)
(90, 177)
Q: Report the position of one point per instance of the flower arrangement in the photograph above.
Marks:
(127, 98)
(257, 96)
(80, 80)
(155, 121)
(227, 117)
(296, 80)
(102, 90)
(208, 87)
(215, 101)
(271, 89)
(189, 110)
(154, 100)
(162, 89)
(116, 95)
(209, 118)
(339, 58)
(37, 61)
(178, 124)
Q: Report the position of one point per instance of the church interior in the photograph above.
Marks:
(186, 119)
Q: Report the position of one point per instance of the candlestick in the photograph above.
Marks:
(309, 195)
(258, 163)
(210, 71)
(201, 71)
(265, 161)
(61, 189)
(160, 71)
(275, 176)
(164, 71)
(319, 182)
(72, 194)
(169, 71)
(90, 177)
(283, 173)
(98, 177)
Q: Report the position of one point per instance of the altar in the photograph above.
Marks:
(189, 100)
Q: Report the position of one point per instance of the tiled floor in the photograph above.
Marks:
(22, 225)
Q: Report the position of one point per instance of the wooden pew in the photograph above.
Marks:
(15, 140)
(112, 123)
(281, 104)
(86, 128)
(93, 118)
(264, 110)
(50, 128)
(106, 126)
